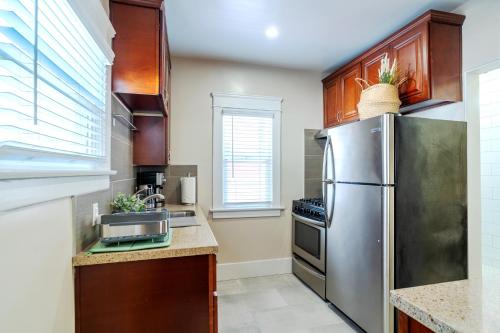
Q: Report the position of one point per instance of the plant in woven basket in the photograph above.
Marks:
(127, 203)
(387, 73)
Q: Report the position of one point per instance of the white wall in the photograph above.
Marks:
(36, 272)
(191, 135)
(36, 278)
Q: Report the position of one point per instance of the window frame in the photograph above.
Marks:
(234, 102)
(27, 186)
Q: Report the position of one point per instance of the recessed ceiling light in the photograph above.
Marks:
(272, 32)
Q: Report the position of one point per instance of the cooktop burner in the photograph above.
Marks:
(312, 208)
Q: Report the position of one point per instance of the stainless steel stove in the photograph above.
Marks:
(309, 238)
(310, 208)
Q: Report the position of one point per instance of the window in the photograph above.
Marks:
(53, 90)
(246, 161)
(55, 58)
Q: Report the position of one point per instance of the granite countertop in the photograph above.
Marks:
(186, 241)
(466, 306)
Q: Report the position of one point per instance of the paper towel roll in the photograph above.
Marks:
(188, 190)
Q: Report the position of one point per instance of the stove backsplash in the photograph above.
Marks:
(313, 163)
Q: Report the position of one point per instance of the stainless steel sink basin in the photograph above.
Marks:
(182, 213)
(183, 218)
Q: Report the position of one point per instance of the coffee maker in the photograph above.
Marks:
(151, 182)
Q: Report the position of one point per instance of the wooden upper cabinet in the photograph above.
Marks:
(429, 54)
(330, 98)
(141, 65)
(341, 96)
(165, 78)
(350, 93)
(411, 52)
(371, 64)
(150, 143)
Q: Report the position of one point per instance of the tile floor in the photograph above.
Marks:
(278, 303)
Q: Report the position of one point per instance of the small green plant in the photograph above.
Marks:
(386, 73)
(128, 203)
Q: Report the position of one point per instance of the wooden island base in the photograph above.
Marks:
(407, 324)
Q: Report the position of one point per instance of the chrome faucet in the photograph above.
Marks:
(150, 202)
(145, 189)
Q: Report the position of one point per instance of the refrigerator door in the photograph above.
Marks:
(355, 255)
(431, 201)
(363, 151)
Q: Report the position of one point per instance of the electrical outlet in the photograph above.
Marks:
(95, 213)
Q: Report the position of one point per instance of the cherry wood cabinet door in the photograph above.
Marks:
(330, 100)
(171, 295)
(350, 93)
(371, 64)
(411, 51)
(150, 140)
(165, 62)
(136, 47)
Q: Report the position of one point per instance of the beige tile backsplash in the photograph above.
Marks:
(313, 163)
(123, 181)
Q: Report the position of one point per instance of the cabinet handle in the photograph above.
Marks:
(215, 293)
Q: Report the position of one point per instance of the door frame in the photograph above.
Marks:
(471, 99)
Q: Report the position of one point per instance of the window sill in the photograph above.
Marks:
(233, 213)
(17, 192)
(28, 174)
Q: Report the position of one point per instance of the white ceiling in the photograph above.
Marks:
(314, 34)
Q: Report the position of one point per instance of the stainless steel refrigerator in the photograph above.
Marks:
(395, 194)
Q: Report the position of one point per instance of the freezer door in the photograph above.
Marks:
(363, 151)
(355, 251)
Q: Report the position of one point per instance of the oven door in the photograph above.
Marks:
(308, 240)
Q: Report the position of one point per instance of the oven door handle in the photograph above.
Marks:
(310, 222)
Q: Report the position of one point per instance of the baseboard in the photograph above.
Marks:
(246, 269)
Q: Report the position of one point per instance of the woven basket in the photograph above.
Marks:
(377, 99)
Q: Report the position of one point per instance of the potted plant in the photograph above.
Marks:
(124, 203)
(383, 97)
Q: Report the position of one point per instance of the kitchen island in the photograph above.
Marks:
(170, 289)
(466, 306)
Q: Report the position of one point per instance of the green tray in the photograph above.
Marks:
(100, 247)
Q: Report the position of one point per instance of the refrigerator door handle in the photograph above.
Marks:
(329, 216)
(325, 158)
(326, 182)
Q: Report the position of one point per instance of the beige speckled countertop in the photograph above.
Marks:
(186, 241)
(466, 306)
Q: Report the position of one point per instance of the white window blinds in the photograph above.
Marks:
(247, 158)
(53, 79)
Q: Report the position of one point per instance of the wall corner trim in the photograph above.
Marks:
(248, 269)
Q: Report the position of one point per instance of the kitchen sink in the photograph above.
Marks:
(183, 218)
(182, 213)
